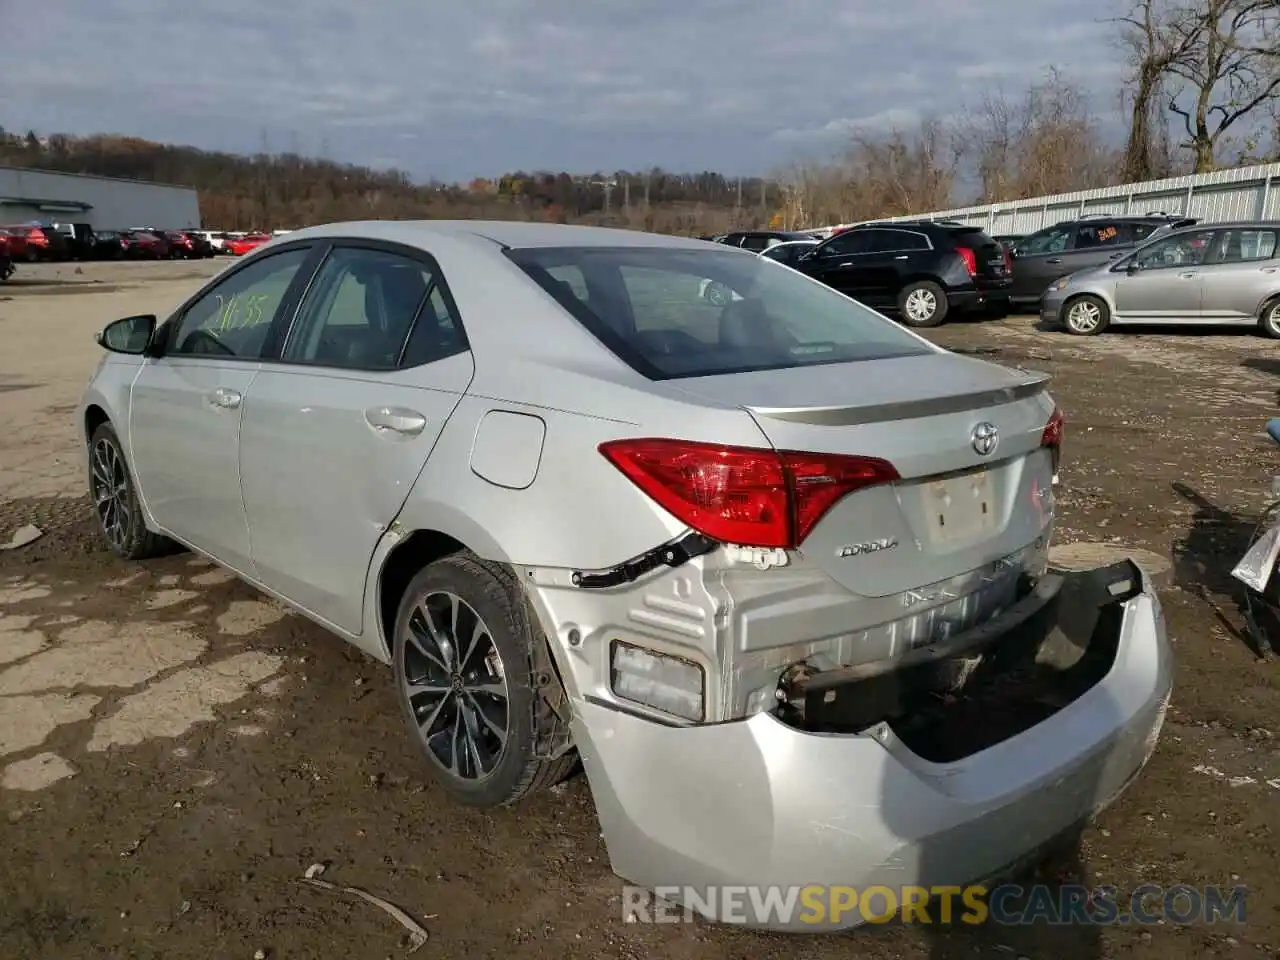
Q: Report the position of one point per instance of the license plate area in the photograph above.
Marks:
(960, 508)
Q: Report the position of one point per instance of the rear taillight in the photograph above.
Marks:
(970, 260)
(1052, 437)
(742, 495)
(1008, 259)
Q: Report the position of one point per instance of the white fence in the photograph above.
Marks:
(1245, 193)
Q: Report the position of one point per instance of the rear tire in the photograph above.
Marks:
(1269, 318)
(922, 304)
(1086, 315)
(452, 709)
(115, 501)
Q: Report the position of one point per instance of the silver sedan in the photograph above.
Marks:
(774, 569)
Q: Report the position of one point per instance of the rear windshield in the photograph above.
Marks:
(972, 237)
(671, 313)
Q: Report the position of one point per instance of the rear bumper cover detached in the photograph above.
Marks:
(758, 803)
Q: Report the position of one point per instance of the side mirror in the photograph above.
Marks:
(1132, 267)
(132, 335)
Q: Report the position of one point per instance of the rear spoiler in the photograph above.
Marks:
(847, 416)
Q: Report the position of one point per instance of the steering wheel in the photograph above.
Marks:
(200, 336)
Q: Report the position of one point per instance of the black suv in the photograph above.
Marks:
(1054, 252)
(79, 237)
(923, 270)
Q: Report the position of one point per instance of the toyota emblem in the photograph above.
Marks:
(985, 438)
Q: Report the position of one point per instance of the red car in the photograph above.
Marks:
(180, 245)
(241, 246)
(31, 243)
(140, 245)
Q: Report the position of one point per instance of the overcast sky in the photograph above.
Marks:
(461, 88)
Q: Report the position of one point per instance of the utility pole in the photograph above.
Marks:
(263, 185)
(648, 178)
(626, 193)
(608, 186)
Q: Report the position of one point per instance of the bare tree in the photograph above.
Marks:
(1046, 141)
(1156, 34)
(1229, 73)
(900, 172)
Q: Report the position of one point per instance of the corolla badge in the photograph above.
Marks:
(871, 546)
(985, 438)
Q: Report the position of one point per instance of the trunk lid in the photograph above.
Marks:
(955, 509)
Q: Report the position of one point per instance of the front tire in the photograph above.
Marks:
(1269, 318)
(922, 304)
(115, 501)
(464, 659)
(1086, 316)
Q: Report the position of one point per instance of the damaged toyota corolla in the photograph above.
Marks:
(774, 569)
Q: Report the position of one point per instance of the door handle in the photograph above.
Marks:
(902, 257)
(1186, 276)
(400, 420)
(1054, 260)
(847, 263)
(1270, 269)
(224, 398)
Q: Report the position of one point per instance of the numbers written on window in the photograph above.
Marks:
(233, 318)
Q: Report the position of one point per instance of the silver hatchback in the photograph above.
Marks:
(1223, 273)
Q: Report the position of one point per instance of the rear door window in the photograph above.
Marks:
(359, 310)
(1052, 240)
(847, 244)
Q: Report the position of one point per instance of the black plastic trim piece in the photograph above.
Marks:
(670, 555)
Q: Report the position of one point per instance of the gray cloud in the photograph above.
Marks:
(456, 90)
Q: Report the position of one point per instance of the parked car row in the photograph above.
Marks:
(55, 242)
(921, 270)
(1083, 274)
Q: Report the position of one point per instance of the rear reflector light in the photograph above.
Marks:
(1052, 437)
(743, 495)
(970, 260)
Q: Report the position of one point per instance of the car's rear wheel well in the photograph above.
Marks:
(94, 417)
(418, 549)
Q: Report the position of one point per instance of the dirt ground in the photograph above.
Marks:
(175, 750)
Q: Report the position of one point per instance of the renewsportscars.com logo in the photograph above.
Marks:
(1007, 905)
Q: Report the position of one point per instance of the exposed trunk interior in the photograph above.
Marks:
(971, 691)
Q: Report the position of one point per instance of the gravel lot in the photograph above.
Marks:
(175, 750)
